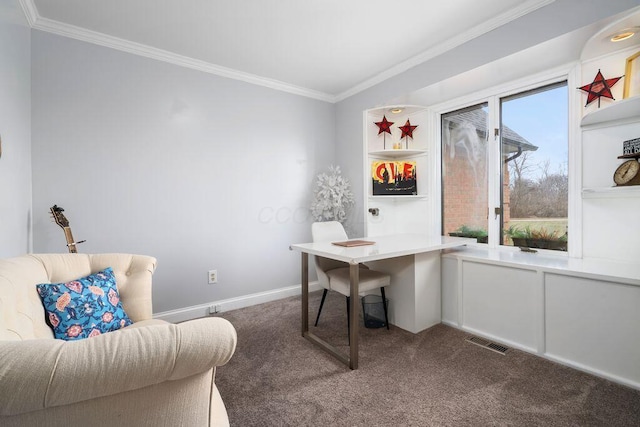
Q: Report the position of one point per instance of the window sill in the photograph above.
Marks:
(546, 262)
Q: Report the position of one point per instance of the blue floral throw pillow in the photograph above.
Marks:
(84, 308)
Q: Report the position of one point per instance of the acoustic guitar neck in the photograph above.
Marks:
(62, 221)
(71, 244)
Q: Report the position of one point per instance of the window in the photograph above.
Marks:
(535, 179)
(464, 172)
(505, 169)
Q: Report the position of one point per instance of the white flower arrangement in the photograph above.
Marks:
(332, 196)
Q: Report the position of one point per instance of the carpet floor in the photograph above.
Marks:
(434, 378)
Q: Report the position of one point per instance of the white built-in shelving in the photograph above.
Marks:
(396, 213)
(608, 213)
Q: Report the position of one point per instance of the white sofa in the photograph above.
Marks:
(151, 373)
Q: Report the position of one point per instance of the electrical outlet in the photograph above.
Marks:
(213, 276)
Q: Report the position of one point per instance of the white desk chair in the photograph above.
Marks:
(334, 275)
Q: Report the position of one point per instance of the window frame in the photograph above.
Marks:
(492, 96)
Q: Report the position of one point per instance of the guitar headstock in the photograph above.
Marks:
(58, 216)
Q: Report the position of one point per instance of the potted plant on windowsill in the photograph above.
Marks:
(540, 238)
(479, 234)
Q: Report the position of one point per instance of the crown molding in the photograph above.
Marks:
(48, 25)
(30, 11)
(472, 33)
(78, 33)
(85, 35)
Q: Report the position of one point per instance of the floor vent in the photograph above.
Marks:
(498, 348)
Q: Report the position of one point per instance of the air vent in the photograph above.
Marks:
(477, 340)
(498, 348)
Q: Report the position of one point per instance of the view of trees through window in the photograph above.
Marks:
(533, 136)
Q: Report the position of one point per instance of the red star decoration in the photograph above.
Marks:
(407, 129)
(384, 125)
(599, 87)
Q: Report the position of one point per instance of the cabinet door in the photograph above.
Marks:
(594, 324)
(501, 302)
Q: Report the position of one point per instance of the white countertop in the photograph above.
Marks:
(622, 272)
(384, 247)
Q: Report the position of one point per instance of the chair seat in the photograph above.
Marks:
(340, 282)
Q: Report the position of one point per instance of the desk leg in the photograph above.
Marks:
(354, 278)
(352, 360)
(305, 293)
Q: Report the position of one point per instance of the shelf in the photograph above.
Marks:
(600, 45)
(419, 196)
(406, 110)
(611, 192)
(385, 154)
(620, 110)
(630, 156)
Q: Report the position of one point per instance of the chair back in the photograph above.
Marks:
(329, 231)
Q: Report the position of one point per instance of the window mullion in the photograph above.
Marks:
(494, 171)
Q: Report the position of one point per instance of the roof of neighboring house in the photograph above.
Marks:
(478, 118)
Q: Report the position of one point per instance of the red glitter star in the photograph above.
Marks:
(384, 125)
(407, 129)
(599, 87)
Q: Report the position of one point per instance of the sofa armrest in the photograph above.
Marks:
(38, 374)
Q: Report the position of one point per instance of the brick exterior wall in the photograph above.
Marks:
(464, 193)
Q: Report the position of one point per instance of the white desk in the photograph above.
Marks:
(413, 260)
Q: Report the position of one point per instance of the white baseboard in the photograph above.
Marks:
(593, 371)
(202, 310)
(551, 357)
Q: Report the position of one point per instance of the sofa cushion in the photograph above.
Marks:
(85, 307)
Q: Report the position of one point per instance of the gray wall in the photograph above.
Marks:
(15, 130)
(200, 171)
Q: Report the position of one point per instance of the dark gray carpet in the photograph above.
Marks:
(435, 378)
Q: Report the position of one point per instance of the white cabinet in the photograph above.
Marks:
(581, 313)
(501, 302)
(393, 164)
(594, 324)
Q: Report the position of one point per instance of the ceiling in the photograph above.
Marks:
(325, 49)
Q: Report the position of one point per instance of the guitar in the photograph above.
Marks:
(63, 222)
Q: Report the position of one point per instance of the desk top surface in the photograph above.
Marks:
(389, 246)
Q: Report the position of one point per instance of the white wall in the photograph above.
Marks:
(469, 64)
(197, 170)
(201, 171)
(15, 130)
